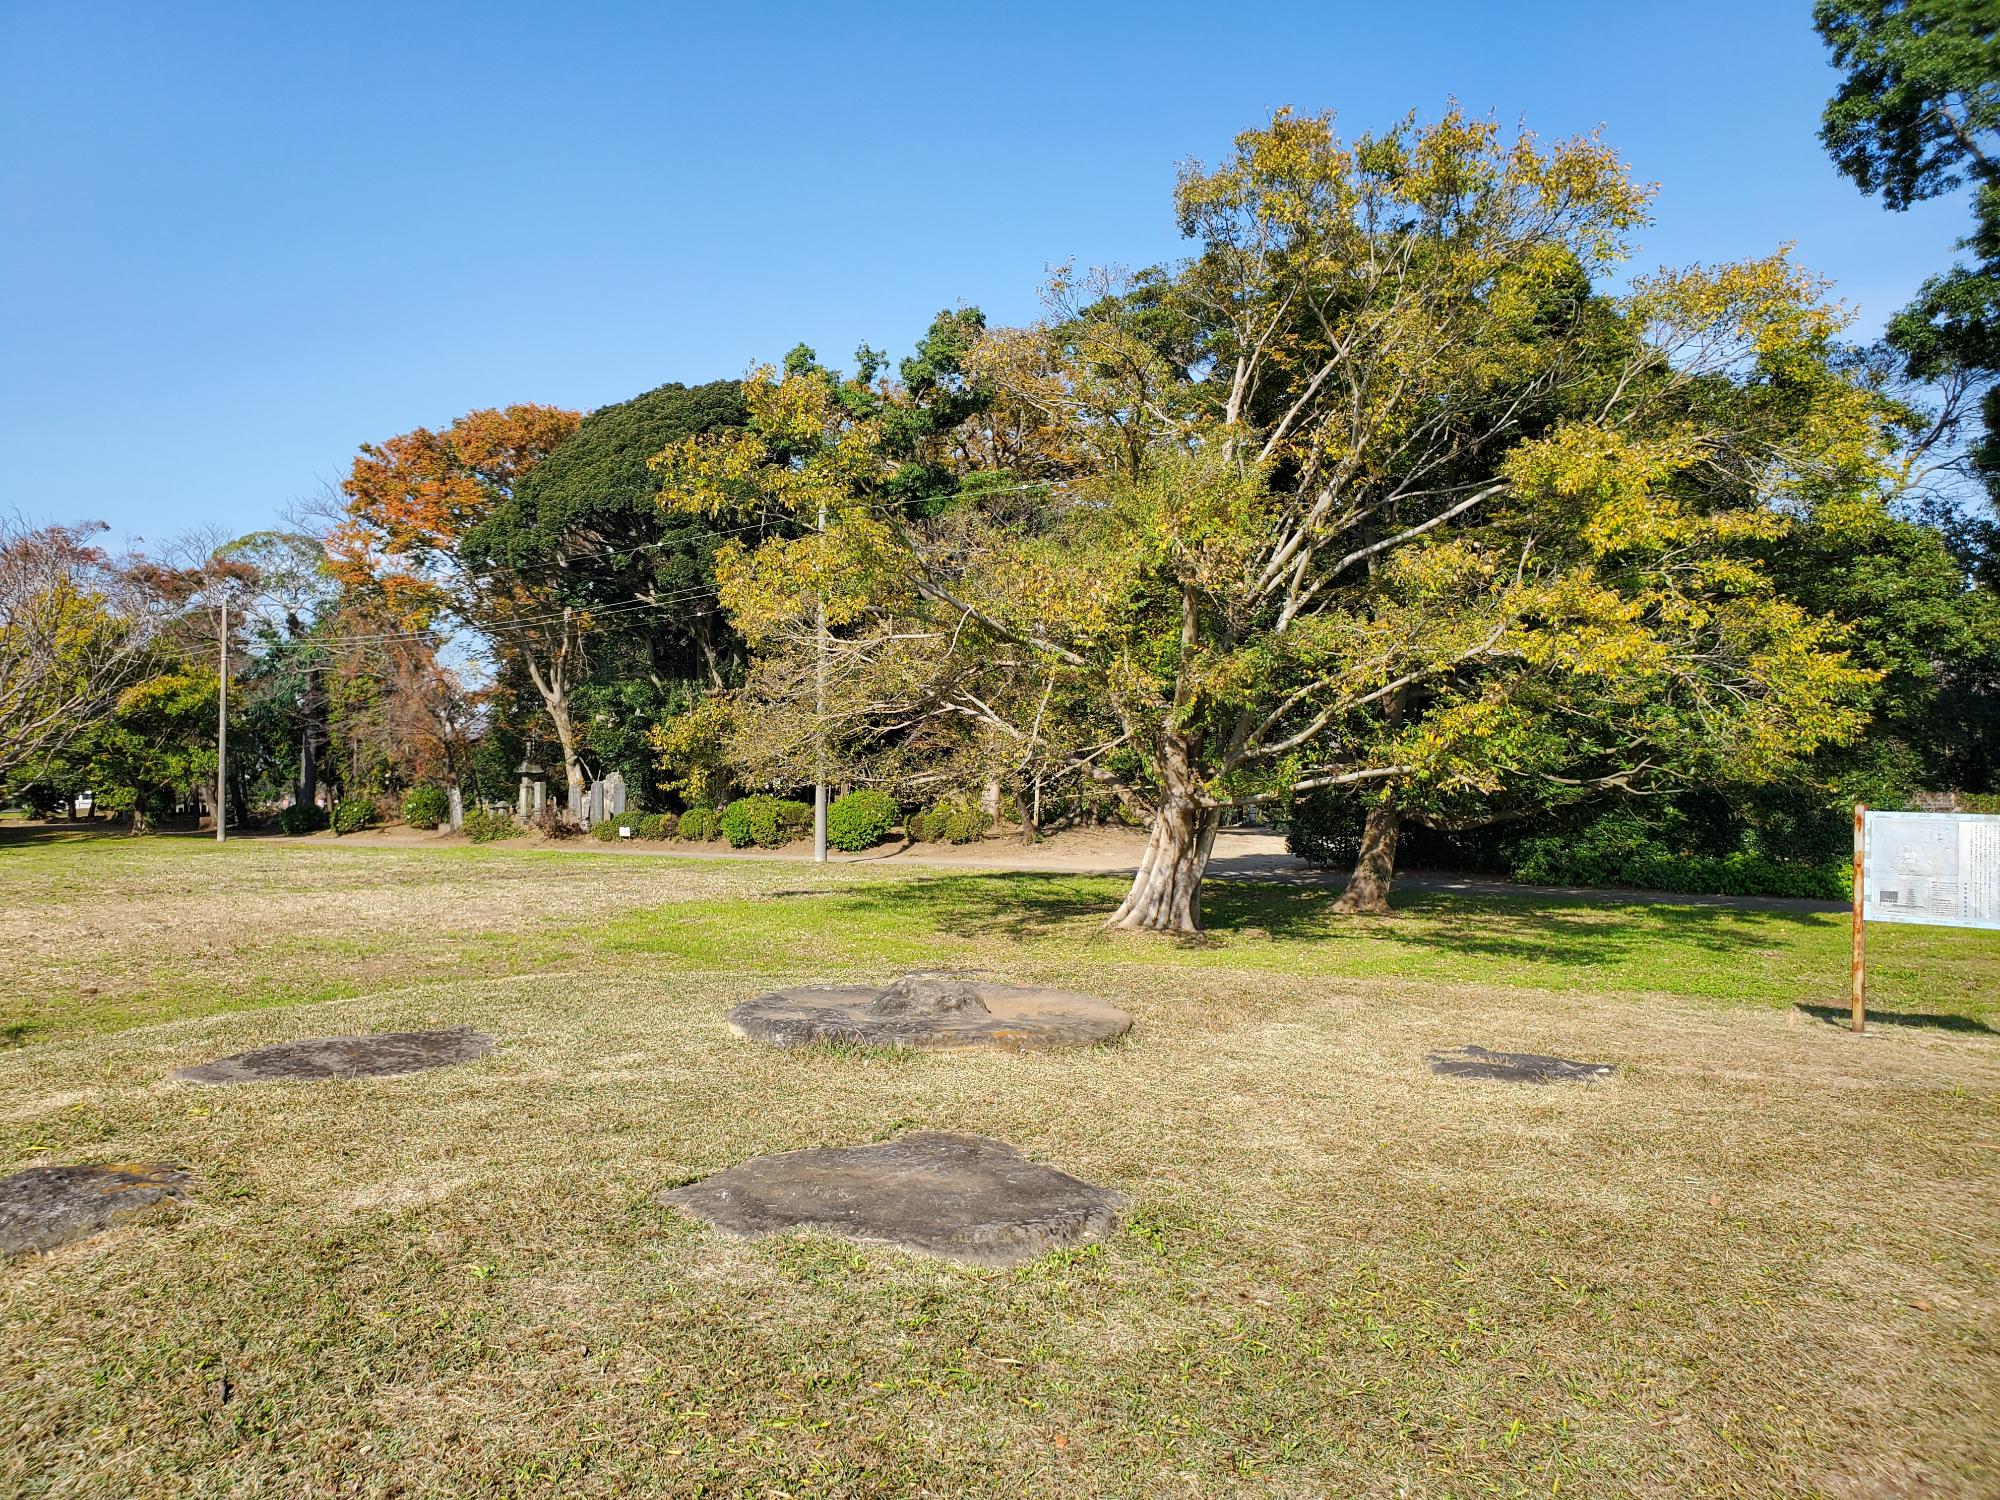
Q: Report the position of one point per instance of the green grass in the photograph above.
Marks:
(860, 920)
(1759, 1262)
(1943, 976)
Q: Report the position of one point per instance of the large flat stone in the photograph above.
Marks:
(382, 1054)
(931, 1010)
(44, 1207)
(1514, 1067)
(964, 1197)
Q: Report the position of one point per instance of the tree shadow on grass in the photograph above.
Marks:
(29, 835)
(1022, 906)
(1840, 1015)
(1016, 905)
(1527, 929)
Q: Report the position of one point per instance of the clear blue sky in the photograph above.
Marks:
(237, 240)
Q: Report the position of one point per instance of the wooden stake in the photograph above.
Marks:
(1860, 947)
(222, 718)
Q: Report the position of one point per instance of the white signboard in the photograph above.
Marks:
(1938, 868)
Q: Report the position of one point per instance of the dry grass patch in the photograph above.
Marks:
(1757, 1262)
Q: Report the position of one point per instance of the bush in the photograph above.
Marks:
(1620, 849)
(352, 814)
(860, 820)
(766, 822)
(951, 821)
(484, 827)
(698, 825)
(654, 825)
(302, 818)
(426, 806)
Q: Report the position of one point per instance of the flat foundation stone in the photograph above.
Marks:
(44, 1207)
(931, 1009)
(383, 1054)
(1514, 1067)
(963, 1197)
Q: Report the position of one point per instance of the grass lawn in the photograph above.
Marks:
(1761, 1261)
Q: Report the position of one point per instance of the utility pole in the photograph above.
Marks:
(819, 713)
(222, 717)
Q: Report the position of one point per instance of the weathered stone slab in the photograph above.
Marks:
(930, 1009)
(964, 1197)
(44, 1207)
(1514, 1067)
(383, 1054)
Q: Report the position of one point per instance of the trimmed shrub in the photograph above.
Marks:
(654, 825)
(1619, 849)
(426, 806)
(484, 827)
(767, 822)
(302, 818)
(950, 821)
(352, 814)
(699, 825)
(606, 831)
(860, 820)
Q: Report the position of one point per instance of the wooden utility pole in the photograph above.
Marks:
(1859, 975)
(222, 718)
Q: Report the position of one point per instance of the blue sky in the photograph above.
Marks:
(237, 240)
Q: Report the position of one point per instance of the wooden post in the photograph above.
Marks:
(1859, 976)
(222, 717)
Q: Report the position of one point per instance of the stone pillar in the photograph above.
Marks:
(522, 802)
(614, 794)
(457, 802)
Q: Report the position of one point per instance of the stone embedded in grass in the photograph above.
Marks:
(929, 1009)
(1514, 1067)
(963, 1197)
(380, 1055)
(44, 1207)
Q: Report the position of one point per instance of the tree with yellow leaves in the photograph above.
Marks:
(1375, 491)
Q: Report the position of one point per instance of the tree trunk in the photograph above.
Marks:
(1367, 890)
(1166, 893)
(572, 767)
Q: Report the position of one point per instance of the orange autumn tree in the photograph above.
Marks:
(411, 501)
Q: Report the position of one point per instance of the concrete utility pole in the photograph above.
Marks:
(222, 718)
(819, 715)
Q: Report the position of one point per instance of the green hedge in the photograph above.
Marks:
(352, 814)
(950, 821)
(1619, 849)
(860, 820)
(767, 822)
(484, 827)
(302, 818)
(643, 826)
(426, 806)
(1658, 850)
(698, 825)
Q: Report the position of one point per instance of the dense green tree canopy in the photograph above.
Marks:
(1917, 116)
